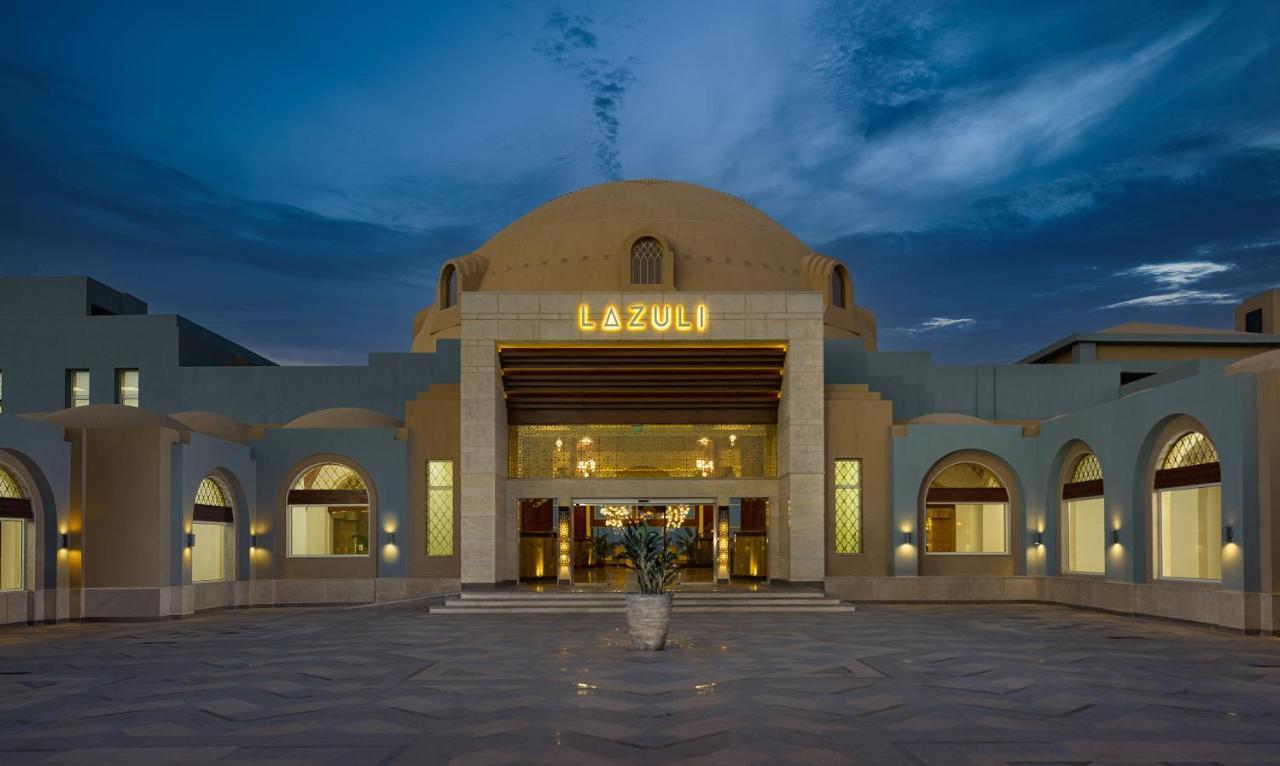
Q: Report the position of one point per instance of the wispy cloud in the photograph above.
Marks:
(939, 324)
(571, 47)
(1177, 274)
(1177, 298)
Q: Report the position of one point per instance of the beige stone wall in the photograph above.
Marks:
(859, 423)
(488, 319)
(435, 430)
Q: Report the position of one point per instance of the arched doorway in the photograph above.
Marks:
(213, 533)
(1188, 510)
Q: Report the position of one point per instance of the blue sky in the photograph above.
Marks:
(996, 175)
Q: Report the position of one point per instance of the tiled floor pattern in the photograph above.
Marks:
(1007, 684)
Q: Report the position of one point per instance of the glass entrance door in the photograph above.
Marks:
(687, 524)
(537, 530)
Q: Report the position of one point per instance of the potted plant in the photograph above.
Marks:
(645, 551)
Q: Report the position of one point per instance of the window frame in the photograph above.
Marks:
(71, 398)
(367, 505)
(1078, 491)
(453, 506)
(449, 286)
(1157, 526)
(120, 396)
(835, 507)
(1006, 503)
(648, 265)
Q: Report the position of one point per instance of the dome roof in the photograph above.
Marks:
(579, 241)
(215, 425)
(112, 416)
(343, 417)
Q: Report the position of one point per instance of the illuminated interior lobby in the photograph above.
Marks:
(648, 350)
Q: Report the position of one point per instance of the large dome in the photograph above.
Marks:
(719, 242)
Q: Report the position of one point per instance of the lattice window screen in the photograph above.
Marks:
(1190, 449)
(646, 262)
(848, 502)
(1087, 469)
(439, 507)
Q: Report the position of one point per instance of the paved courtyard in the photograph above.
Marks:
(394, 685)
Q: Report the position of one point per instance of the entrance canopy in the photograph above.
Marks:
(642, 383)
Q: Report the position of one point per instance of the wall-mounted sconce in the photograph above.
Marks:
(191, 539)
(253, 541)
(1115, 537)
(64, 541)
(1037, 537)
(1227, 536)
(391, 538)
(906, 538)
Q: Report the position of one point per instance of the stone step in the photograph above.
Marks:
(604, 594)
(618, 603)
(719, 609)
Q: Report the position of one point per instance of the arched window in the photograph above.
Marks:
(15, 515)
(328, 512)
(449, 286)
(838, 296)
(1188, 512)
(966, 511)
(646, 262)
(1084, 518)
(213, 527)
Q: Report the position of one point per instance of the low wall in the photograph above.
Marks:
(1187, 602)
(25, 607)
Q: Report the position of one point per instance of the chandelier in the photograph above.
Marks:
(676, 514)
(615, 516)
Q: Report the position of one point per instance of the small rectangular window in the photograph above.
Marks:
(848, 505)
(77, 388)
(127, 387)
(1253, 321)
(439, 507)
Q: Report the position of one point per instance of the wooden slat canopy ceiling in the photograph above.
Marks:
(642, 384)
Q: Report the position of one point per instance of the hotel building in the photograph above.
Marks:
(639, 347)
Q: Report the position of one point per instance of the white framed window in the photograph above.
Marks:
(213, 533)
(127, 387)
(1084, 518)
(328, 513)
(77, 388)
(966, 512)
(1187, 510)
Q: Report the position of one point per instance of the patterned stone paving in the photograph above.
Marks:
(998, 684)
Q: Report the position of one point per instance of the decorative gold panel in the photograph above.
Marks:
(641, 451)
(10, 486)
(439, 507)
(210, 493)
(848, 505)
(1087, 469)
(1190, 449)
(328, 476)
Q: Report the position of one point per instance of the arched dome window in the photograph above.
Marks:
(966, 511)
(1188, 501)
(839, 296)
(449, 286)
(1084, 518)
(15, 516)
(328, 512)
(646, 262)
(213, 529)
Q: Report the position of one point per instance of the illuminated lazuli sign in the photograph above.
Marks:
(641, 317)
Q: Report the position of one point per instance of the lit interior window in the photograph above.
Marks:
(1188, 502)
(967, 512)
(328, 513)
(1083, 518)
(848, 505)
(127, 387)
(77, 388)
(439, 507)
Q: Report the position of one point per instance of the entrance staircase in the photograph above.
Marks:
(684, 602)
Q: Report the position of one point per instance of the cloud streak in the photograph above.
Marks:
(571, 47)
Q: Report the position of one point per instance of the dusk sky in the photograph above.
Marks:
(995, 175)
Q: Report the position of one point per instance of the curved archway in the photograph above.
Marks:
(970, 511)
(17, 514)
(448, 297)
(213, 531)
(839, 287)
(646, 261)
(328, 512)
(1187, 534)
(1083, 513)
